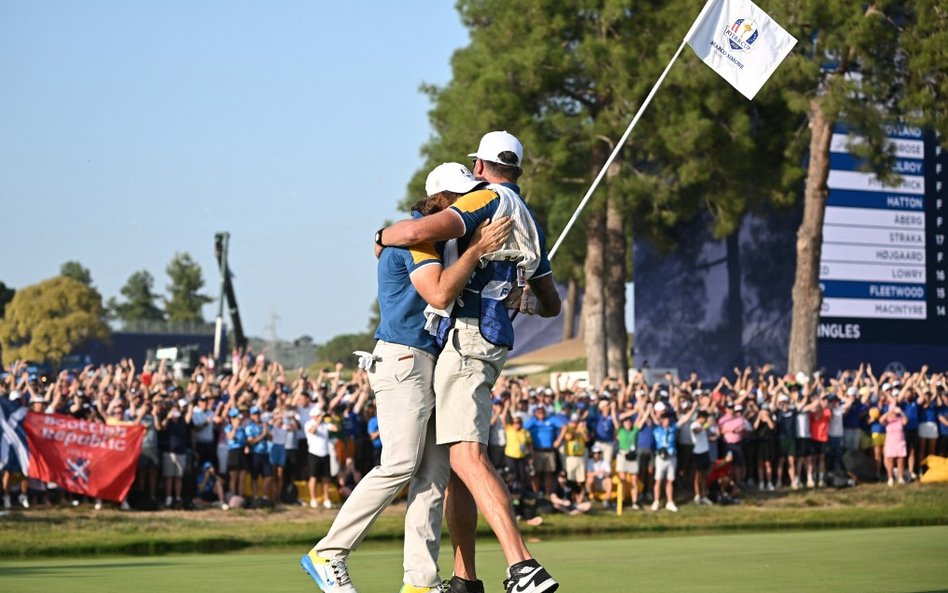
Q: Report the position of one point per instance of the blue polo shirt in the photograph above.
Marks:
(852, 417)
(603, 430)
(646, 439)
(373, 426)
(910, 409)
(474, 208)
(401, 308)
(543, 432)
(236, 437)
(667, 438)
(252, 430)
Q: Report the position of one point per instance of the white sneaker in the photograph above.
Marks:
(168, 501)
(671, 506)
(891, 481)
(523, 577)
(655, 506)
(697, 499)
(98, 504)
(6, 501)
(313, 504)
(706, 501)
(795, 485)
(124, 506)
(327, 504)
(24, 501)
(901, 481)
(761, 486)
(810, 483)
(770, 487)
(75, 502)
(330, 574)
(225, 506)
(635, 506)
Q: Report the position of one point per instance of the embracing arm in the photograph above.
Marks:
(442, 226)
(439, 286)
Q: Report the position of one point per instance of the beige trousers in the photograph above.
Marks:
(402, 382)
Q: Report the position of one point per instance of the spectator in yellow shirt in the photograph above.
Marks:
(517, 452)
(573, 437)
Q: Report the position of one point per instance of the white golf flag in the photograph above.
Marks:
(740, 42)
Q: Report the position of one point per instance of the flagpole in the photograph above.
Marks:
(628, 131)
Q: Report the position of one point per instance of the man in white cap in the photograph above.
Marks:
(400, 371)
(476, 337)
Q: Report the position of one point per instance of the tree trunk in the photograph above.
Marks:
(616, 333)
(594, 319)
(807, 298)
(569, 309)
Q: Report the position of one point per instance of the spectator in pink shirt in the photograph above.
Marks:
(731, 427)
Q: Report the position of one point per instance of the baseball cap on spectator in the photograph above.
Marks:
(783, 397)
(15, 395)
(738, 408)
(660, 407)
(596, 448)
(183, 402)
(452, 177)
(494, 143)
(254, 409)
(574, 417)
(234, 412)
(207, 465)
(37, 399)
(851, 391)
(316, 411)
(886, 387)
(802, 378)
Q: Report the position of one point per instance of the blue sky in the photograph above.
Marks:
(132, 130)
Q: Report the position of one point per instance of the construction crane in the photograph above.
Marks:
(221, 241)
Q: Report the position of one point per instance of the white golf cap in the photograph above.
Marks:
(660, 407)
(783, 397)
(494, 143)
(453, 177)
(315, 411)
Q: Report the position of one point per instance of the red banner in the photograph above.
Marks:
(91, 458)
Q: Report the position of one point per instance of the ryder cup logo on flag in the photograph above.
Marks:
(740, 42)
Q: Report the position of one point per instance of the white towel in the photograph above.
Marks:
(523, 247)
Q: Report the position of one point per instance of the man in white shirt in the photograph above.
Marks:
(699, 430)
(317, 441)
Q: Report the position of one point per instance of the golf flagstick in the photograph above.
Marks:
(628, 131)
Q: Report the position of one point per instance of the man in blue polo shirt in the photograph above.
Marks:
(476, 337)
(543, 431)
(400, 371)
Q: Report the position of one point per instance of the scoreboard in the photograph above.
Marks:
(884, 259)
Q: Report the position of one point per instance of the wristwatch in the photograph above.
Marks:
(378, 237)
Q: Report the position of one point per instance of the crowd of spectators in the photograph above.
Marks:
(245, 436)
(213, 437)
(675, 438)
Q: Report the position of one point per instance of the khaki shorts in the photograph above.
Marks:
(576, 468)
(544, 462)
(464, 376)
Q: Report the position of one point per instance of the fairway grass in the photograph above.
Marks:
(893, 560)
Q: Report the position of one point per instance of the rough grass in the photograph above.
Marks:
(82, 531)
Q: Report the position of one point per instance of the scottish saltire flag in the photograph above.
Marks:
(740, 42)
(14, 456)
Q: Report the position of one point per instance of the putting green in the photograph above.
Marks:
(896, 560)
